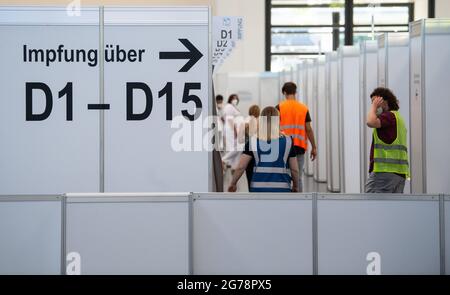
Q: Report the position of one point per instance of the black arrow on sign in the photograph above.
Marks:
(193, 55)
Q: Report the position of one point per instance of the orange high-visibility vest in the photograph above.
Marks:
(292, 121)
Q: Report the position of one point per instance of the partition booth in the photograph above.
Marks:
(303, 78)
(393, 63)
(445, 220)
(332, 115)
(368, 77)
(285, 76)
(348, 106)
(268, 89)
(319, 121)
(128, 233)
(247, 86)
(430, 88)
(82, 124)
(75, 118)
(31, 230)
(225, 234)
(252, 88)
(309, 91)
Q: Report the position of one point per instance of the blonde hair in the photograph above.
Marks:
(269, 124)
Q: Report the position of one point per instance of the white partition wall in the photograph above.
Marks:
(165, 97)
(298, 80)
(50, 140)
(374, 235)
(368, 82)
(268, 89)
(327, 120)
(291, 74)
(225, 234)
(302, 85)
(129, 233)
(447, 233)
(280, 84)
(247, 87)
(393, 63)
(242, 234)
(76, 118)
(295, 74)
(319, 120)
(348, 100)
(430, 88)
(310, 70)
(220, 81)
(313, 113)
(31, 235)
(286, 75)
(332, 115)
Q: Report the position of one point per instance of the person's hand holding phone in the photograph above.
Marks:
(377, 101)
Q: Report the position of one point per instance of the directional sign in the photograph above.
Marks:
(156, 79)
(193, 55)
(227, 30)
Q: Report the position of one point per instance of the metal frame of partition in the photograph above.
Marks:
(400, 197)
(270, 196)
(444, 255)
(344, 53)
(419, 30)
(315, 197)
(130, 198)
(442, 200)
(367, 48)
(100, 22)
(44, 198)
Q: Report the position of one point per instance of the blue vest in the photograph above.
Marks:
(271, 173)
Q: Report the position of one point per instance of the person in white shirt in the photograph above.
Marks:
(232, 119)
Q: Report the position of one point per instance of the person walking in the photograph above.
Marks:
(232, 119)
(295, 121)
(275, 159)
(389, 167)
(251, 129)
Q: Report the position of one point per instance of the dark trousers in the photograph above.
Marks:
(249, 172)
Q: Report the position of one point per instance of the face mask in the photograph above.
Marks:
(379, 111)
(234, 102)
(219, 105)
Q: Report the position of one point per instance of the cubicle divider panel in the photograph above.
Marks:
(349, 101)
(327, 121)
(265, 234)
(396, 65)
(268, 89)
(378, 234)
(446, 232)
(31, 235)
(334, 147)
(417, 93)
(310, 71)
(436, 103)
(128, 233)
(48, 78)
(160, 101)
(320, 126)
(247, 87)
(368, 78)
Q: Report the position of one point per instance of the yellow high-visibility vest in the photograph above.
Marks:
(392, 157)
